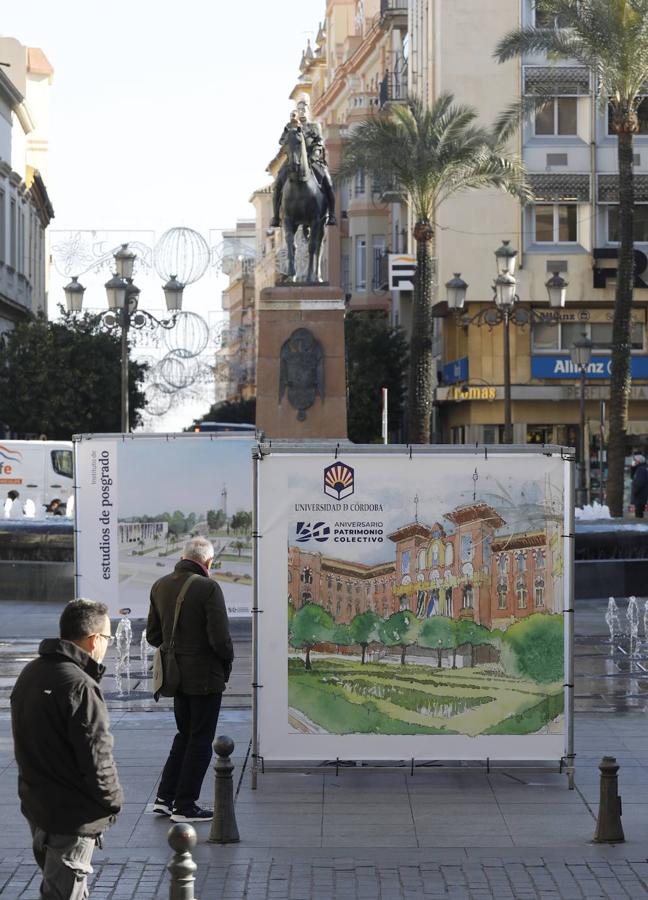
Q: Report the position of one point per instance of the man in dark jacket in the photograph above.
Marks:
(67, 780)
(639, 486)
(204, 653)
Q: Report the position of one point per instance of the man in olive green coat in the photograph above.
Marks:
(204, 653)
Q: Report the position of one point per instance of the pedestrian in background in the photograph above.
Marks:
(12, 506)
(67, 779)
(639, 486)
(204, 654)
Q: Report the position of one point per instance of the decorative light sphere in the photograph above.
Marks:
(188, 337)
(183, 253)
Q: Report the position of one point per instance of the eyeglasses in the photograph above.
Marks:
(108, 638)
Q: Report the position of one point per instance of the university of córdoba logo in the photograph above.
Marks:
(338, 480)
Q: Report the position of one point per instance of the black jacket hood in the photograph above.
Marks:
(70, 650)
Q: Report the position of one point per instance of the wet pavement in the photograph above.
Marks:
(438, 833)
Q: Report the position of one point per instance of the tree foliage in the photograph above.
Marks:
(399, 630)
(533, 648)
(430, 153)
(365, 629)
(63, 378)
(241, 521)
(376, 357)
(310, 625)
(437, 633)
(229, 411)
(215, 519)
(610, 37)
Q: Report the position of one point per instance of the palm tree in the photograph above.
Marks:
(430, 153)
(611, 38)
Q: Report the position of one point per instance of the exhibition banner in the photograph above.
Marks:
(411, 604)
(139, 498)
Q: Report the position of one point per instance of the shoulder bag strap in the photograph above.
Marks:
(181, 596)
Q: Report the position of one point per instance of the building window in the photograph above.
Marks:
(501, 595)
(359, 184)
(361, 263)
(467, 599)
(3, 228)
(559, 116)
(520, 562)
(13, 237)
(329, 582)
(522, 595)
(448, 602)
(307, 576)
(420, 560)
(640, 223)
(338, 608)
(405, 562)
(642, 116)
(502, 565)
(345, 273)
(538, 598)
(545, 337)
(466, 547)
(306, 598)
(555, 223)
(379, 262)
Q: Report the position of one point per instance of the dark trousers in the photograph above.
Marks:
(639, 510)
(64, 860)
(196, 718)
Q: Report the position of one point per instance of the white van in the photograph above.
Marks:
(40, 471)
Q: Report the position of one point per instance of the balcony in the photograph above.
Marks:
(393, 88)
(394, 12)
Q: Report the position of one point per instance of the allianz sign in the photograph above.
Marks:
(562, 367)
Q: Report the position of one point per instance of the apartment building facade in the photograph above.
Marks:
(25, 207)
(571, 228)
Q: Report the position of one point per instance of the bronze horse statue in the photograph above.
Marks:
(303, 203)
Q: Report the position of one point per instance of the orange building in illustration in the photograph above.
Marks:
(464, 570)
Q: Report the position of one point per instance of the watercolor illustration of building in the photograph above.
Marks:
(467, 569)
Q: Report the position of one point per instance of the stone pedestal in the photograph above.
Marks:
(320, 310)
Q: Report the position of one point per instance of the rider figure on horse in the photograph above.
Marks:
(300, 118)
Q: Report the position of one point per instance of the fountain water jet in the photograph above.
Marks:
(123, 639)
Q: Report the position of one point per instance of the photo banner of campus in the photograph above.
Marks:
(139, 498)
(414, 606)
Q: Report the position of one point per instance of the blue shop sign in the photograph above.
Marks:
(455, 371)
(599, 367)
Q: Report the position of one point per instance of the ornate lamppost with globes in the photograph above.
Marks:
(505, 311)
(581, 356)
(123, 312)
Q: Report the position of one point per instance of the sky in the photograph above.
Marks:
(153, 475)
(164, 114)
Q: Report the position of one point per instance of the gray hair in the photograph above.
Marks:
(198, 549)
(639, 458)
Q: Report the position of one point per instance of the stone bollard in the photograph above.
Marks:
(182, 839)
(608, 827)
(224, 829)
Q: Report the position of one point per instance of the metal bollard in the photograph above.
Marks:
(182, 838)
(224, 829)
(608, 827)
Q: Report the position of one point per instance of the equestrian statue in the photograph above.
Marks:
(303, 191)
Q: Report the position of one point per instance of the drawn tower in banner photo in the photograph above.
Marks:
(471, 570)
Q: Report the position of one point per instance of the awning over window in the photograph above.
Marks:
(565, 187)
(608, 188)
(559, 81)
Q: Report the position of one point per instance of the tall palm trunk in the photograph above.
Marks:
(421, 379)
(620, 376)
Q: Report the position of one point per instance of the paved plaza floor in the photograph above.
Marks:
(439, 833)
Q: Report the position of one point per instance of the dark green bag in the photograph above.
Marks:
(166, 672)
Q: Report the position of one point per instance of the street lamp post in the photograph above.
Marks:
(581, 355)
(505, 297)
(122, 312)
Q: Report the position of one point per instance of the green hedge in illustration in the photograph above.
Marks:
(533, 648)
(531, 720)
(327, 705)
